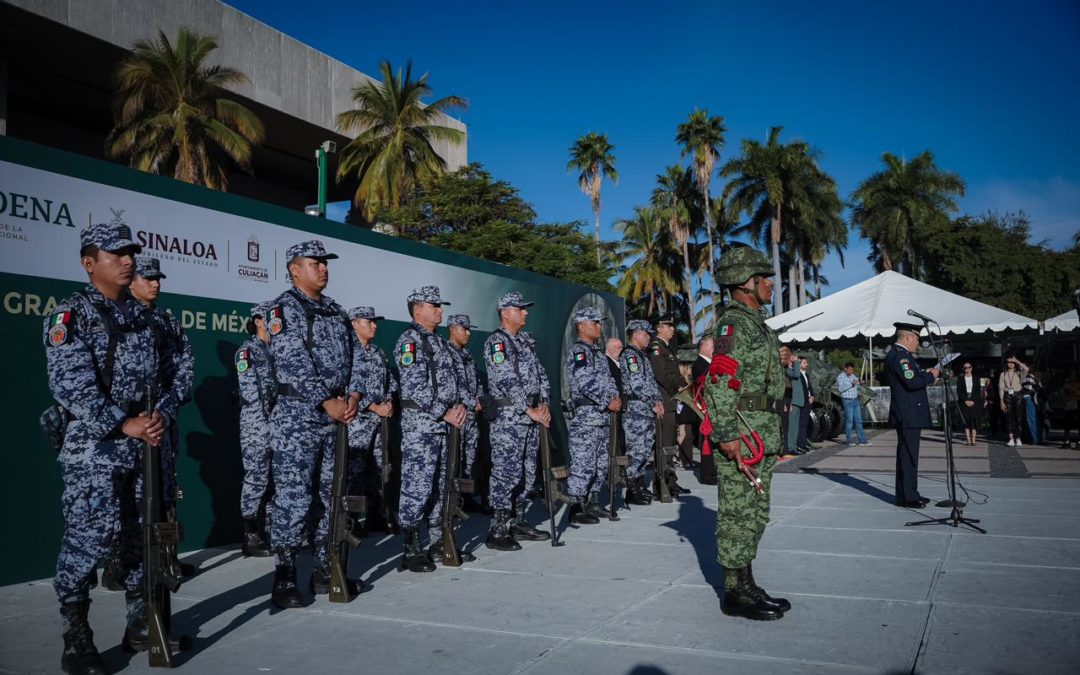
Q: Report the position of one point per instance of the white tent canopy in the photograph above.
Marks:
(1063, 322)
(869, 309)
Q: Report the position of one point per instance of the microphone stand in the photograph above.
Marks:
(956, 516)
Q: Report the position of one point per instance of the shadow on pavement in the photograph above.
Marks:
(854, 482)
(696, 524)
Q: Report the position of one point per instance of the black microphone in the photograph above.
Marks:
(925, 318)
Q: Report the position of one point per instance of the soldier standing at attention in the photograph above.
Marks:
(518, 385)
(459, 327)
(593, 395)
(752, 384)
(430, 400)
(102, 364)
(317, 366)
(178, 374)
(666, 369)
(643, 407)
(909, 410)
(258, 391)
(365, 432)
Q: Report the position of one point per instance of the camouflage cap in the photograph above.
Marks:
(259, 311)
(460, 320)
(428, 294)
(148, 268)
(364, 313)
(588, 314)
(108, 237)
(309, 249)
(639, 324)
(513, 299)
(738, 265)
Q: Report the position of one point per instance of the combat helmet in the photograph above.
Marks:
(741, 263)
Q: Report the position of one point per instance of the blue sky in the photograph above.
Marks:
(992, 88)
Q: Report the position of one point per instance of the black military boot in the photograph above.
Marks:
(521, 530)
(635, 495)
(255, 544)
(286, 595)
(779, 603)
(137, 633)
(499, 537)
(643, 488)
(579, 516)
(742, 599)
(673, 485)
(414, 558)
(114, 574)
(80, 656)
(435, 553)
(320, 581)
(593, 508)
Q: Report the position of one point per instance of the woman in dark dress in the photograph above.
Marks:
(969, 393)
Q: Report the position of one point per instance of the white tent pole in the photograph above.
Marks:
(871, 354)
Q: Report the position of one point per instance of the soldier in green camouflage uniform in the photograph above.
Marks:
(742, 513)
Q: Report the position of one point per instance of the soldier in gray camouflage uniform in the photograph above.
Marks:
(317, 367)
(102, 364)
(258, 392)
(365, 432)
(431, 399)
(459, 327)
(519, 388)
(593, 395)
(643, 407)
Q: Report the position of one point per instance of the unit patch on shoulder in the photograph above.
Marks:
(725, 330)
(408, 353)
(580, 360)
(276, 322)
(656, 351)
(59, 331)
(242, 363)
(498, 352)
(633, 364)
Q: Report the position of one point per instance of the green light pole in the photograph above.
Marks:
(328, 147)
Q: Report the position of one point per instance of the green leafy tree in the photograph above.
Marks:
(702, 138)
(593, 157)
(173, 114)
(393, 152)
(990, 258)
(896, 206)
(469, 212)
(767, 181)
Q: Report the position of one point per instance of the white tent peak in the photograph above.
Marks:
(869, 309)
(1063, 322)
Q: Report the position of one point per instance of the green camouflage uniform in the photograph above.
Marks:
(742, 514)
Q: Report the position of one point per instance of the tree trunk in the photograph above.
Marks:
(689, 288)
(792, 283)
(712, 258)
(817, 281)
(778, 296)
(802, 282)
(596, 216)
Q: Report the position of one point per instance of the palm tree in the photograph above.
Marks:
(814, 225)
(653, 273)
(392, 153)
(673, 196)
(703, 137)
(592, 156)
(893, 206)
(767, 180)
(173, 115)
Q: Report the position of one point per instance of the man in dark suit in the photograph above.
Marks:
(909, 410)
(612, 350)
(666, 371)
(707, 468)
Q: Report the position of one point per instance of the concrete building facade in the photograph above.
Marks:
(57, 59)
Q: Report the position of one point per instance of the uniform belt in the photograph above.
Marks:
(759, 403)
(407, 404)
(502, 402)
(585, 403)
(133, 409)
(289, 390)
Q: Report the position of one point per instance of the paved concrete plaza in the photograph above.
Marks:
(869, 594)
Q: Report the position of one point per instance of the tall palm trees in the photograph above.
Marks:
(392, 151)
(673, 196)
(653, 274)
(593, 157)
(172, 114)
(702, 137)
(766, 181)
(893, 205)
